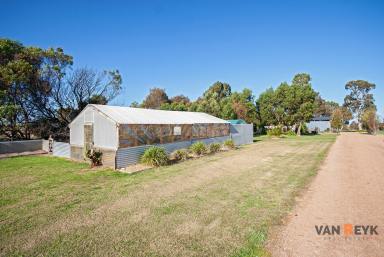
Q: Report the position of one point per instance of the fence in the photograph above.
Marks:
(21, 146)
(61, 149)
(242, 134)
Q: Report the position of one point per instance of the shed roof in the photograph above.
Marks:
(238, 121)
(130, 115)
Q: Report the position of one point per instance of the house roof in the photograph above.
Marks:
(321, 118)
(130, 115)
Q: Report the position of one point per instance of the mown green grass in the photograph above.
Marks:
(221, 204)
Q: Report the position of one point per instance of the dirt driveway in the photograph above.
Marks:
(349, 189)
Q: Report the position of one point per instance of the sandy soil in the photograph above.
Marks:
(349, 189)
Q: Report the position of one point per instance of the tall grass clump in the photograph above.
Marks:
(274, 132)
(198, 148)
(155, 156)
(214, 147)
(229, 144)
(180, 155)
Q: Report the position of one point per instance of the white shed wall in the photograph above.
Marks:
(105, 133)
(76, 134)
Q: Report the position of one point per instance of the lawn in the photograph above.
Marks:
(218, 205)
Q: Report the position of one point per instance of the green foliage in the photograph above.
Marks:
(304, 129)
(40, 94)
(198, 148)
(370, 120)
(290, 133)
(323, 107)
(337, 120)
(359, 99)
(180, 155)
(214, 147)
(274, 132)
(289, 104)
(218, 100)
(155, 98)
(229, 144)
(95, 156)
(155, 156)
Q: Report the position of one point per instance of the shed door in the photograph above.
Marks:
(88, 136)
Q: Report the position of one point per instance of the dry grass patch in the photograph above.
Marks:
(217, 205)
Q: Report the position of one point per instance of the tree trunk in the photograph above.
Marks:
(360, 126)
(299, 130)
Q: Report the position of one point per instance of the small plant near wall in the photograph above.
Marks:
(180, 155)
(274, 132)
(198, 148)
(214, 147)
(155, 156)
(95, 156)
(229, 144)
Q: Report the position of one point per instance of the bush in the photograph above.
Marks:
(198, 148)
(276, 132)
(180, 154)
(155, 156)
(290, 133)
(95, 156)
(214, 147)
(370, 120)
(229, 144)
(304, 129)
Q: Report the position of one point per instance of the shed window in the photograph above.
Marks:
(177, 131)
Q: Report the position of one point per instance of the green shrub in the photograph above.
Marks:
(290, 133)
(274, 132)
(229, 144)
(198, 148)
(180, 154)
(304, 129)
(95, 156)
(214, 147)
(155, 156)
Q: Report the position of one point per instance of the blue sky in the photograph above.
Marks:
(185, 46)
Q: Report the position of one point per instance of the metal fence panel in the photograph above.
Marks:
(61, 149)
(20, 146)
(131, 155)
(242, 133)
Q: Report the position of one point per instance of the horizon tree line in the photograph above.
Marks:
(41, 93)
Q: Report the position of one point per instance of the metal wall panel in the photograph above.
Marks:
(212, 140)
(242, 134)
(61, 149)
(131, 155)
(20, 146)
